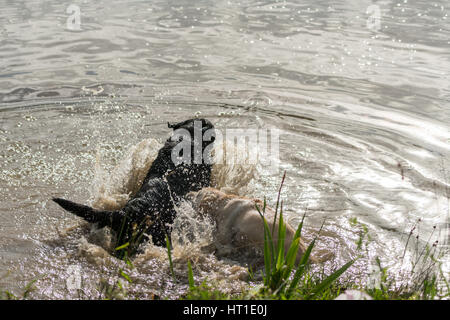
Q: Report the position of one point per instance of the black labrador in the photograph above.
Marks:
(183, 165)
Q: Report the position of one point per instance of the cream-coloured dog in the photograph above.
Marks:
(238, 222)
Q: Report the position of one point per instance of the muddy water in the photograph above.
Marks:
(363, 113)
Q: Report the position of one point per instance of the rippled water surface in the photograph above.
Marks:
(363, 110)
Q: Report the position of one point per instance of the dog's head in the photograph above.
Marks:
(190, 146)
(193, 129)
(191, 141)
(207, 200)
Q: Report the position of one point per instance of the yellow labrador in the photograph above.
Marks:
(238, 222)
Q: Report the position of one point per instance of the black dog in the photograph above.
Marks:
(151, 211)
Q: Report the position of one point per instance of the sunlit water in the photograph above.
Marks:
(363, 111)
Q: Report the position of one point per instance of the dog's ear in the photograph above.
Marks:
(178, 125)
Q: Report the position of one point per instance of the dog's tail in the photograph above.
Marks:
(89, 214)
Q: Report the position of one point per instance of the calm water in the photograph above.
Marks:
(362, 105)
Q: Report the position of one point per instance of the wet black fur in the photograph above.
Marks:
(151, 211)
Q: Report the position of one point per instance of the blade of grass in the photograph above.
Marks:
(268, 252)
(293, 249)
(291, 256)
(122, 246)
(278, 201)
(281, 238)
(122, 227)
(300, 269)
(330, 279)
(190, 276)
(125, 276)
(268, 246)
(29, 288)
(303, 261)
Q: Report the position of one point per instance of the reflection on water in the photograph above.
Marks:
(363, 114)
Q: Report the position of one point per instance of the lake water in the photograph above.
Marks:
(359, 92)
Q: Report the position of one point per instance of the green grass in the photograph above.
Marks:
(26, 291)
